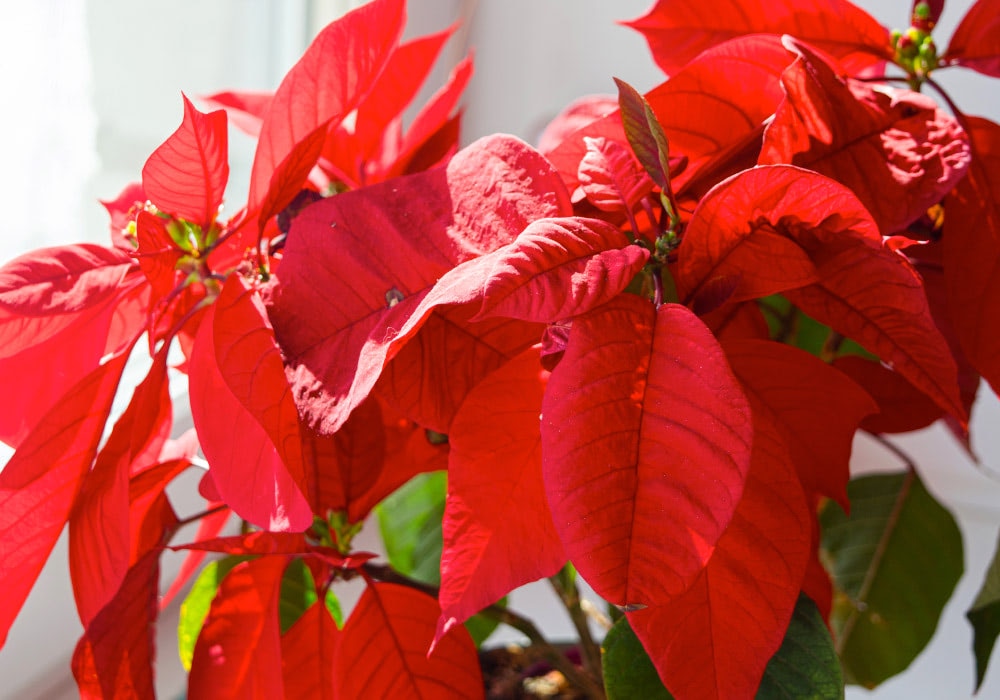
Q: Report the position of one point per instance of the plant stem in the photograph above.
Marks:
(590, 653)
(861, 598)
(579, 678)
(198, 516)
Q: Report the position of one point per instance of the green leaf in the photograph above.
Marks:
(628, 671)
(480, 627)
(410, 522)
(984, 615)
(298, 593)
(895, 562)
(644, 133)
(806, 665)
(196, 604)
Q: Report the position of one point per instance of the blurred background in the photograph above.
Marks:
(91, 87)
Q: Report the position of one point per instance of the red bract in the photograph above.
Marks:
(679, 31)
(893, 148)
(976, 41)
(187, 175)
(644, 432)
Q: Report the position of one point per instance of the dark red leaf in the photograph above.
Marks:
(496, 497)
(114, 658)
(679, 31)
(976, 41)
(408, 452)
(39, 484)
(902, 407)
(814, 408)
(307, 653)
(715, 639)
(334, 73)
(646, 442)
(343, 467)
(238, 653)
(873, 297)
(249, 473)
(383, 650)
(359, 268)
(894, 148)
(972, 252)
(187, 175)
(644, 133)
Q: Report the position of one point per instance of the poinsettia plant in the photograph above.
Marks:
(637, 354)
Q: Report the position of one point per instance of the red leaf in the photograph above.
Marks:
(343, 467)
(646, 442)
(249, 473)
(114, 658)
(814, 408)
(708, 111)
(678, 31)
(122, 211)
(257, 542)
(972, 252)
(345, 303)
(238, 652)
(739, 232)
(70, 345)
(976, 41)
(558, 268)
(715, 640)
(433, 133)
(99, 532)
(610, 176)
(245, 109)
(408, 452)
(152, 519)
(336, 71)
(894, 148)
(577, 115)
(873, 297)
(432, 374)
(40, 482)
(554, 269)
(902, 407)
(62, 280)
(395, 88)
(187, 174)
(307, 653)
(496, 497)
(383, 650)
